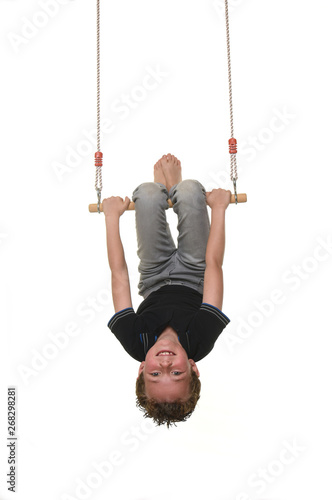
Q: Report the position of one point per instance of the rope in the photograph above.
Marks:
(233, 156)
(98, 164)
(98, 155)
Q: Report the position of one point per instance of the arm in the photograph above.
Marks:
(218, 200)
(113, 209)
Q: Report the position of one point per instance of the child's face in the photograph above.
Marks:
(167, 376)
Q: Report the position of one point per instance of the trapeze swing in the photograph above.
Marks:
(235, 198)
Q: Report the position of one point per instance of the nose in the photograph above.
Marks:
(165, 361)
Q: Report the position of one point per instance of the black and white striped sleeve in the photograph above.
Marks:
(122, 324)
(216, 314)
(204, 330)
(121, 319)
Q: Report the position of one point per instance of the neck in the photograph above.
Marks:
(169, 333)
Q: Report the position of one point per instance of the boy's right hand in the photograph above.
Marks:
(115, 205)
(218, 198)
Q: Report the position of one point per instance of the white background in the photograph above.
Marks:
(260, 394)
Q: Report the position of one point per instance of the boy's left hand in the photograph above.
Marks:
(218, 198)
(115, 205)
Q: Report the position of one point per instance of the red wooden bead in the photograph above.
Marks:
(232, 146)
(99, 159)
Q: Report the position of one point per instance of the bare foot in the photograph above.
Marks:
(159, 174)
(171, 167)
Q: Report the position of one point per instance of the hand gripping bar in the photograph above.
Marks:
(93, 208)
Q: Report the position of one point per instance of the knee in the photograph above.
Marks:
(150, 193)
(190, 190)
(190, 186)
(147, 188)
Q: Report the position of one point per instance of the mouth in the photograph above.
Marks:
(165, 353)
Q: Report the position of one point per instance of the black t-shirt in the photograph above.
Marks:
(197, 324)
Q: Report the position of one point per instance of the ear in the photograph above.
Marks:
(194, 367)
(141, 366)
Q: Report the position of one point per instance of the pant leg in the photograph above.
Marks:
(189, 203)
(154, 239)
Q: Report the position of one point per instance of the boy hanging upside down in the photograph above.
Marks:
(180, 317)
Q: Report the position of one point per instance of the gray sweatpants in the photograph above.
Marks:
(161, 262)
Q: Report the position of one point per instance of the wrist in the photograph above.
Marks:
(221, 209)
(112, 216)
